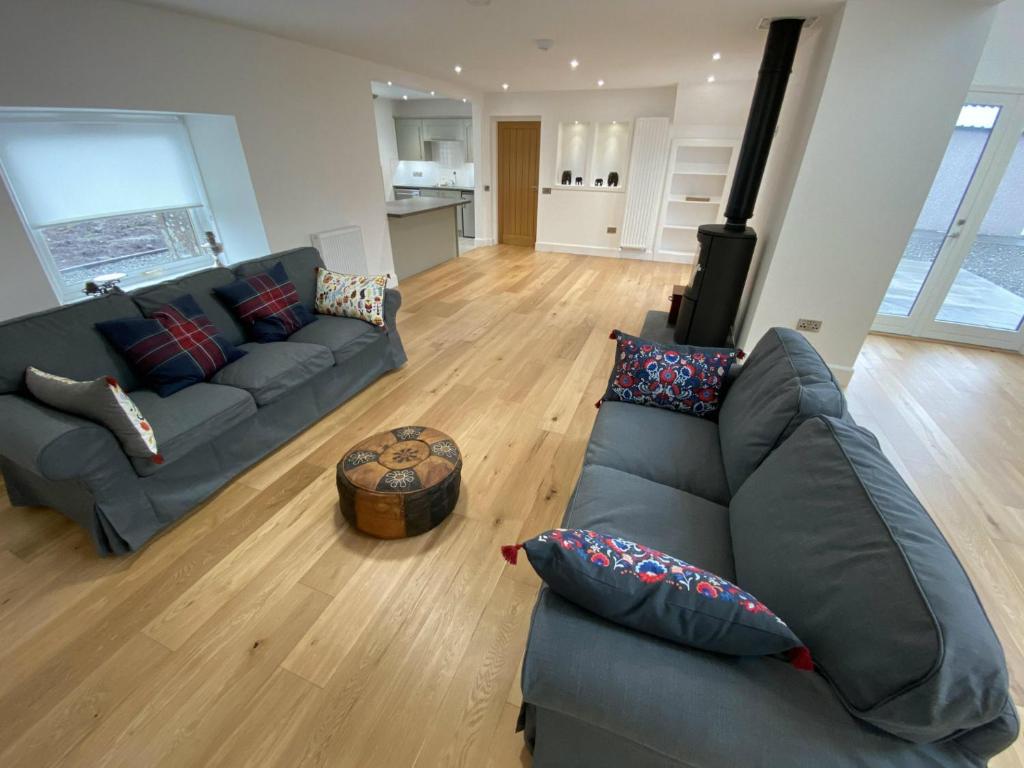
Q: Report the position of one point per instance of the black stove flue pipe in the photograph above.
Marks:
(708, 306)
(772, 78)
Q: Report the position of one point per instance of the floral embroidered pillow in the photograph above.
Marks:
(687, 380)
(359, 296)
(647, 590)
(101, 400)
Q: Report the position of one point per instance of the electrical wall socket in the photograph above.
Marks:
(813, 326)
(612, 230)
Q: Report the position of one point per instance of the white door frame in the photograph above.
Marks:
(960, 237)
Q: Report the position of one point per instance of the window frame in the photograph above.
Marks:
(67, 294)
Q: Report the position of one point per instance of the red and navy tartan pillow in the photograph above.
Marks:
(267, 304)
(684, 379)
(175, 347)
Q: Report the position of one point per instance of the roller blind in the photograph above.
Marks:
(69, 170)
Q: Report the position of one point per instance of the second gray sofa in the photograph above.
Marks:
(791, 500)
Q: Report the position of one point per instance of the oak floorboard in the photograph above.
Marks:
(262, 630)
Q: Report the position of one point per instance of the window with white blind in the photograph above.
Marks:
(107, 196)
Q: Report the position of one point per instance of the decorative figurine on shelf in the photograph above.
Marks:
(599, 182)
(579, 181)
(101, 285)
(613, 178)
(567, 177)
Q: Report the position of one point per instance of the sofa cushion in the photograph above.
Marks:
(621, 504)
(101, 400)
(301, 265)
(700, 709)
(65, 342)
(655, 592)
(270, 370)
(783, 383)
(648, 373)
(358, 296)
(344, 336)
(669, 448)
(199, 286)
(174, 349)
(890, 615)
(266, 304)
(189, 418)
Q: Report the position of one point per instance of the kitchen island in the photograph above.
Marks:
(424, 232)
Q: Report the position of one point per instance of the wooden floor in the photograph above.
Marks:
(262, 631)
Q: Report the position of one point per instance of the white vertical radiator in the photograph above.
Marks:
(342, 249)
(646, 177)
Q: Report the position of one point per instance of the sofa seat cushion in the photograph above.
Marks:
(699, 708)
(343, 336)
(273, 369)
(669, 448)
(888, 612)
(783, 383)
(189, 418)
(686, 526)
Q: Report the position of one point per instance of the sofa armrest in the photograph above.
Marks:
(53, 444)
(392, 301)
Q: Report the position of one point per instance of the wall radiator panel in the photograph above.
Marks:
(646, 178)
(342, 249)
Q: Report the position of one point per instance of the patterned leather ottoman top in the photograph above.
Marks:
(402, 460)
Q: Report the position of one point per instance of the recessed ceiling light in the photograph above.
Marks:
(574, 63)
(389, 83)
(458, 69)
(431, 93)
(716, 55)
(575, 122)
(600, 83)
(615, 122)
(711, 78)
(405, 97)
(464, 99)
(504, 86)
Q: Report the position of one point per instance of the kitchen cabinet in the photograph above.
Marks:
(413, 133)
(409, 135)
(443, 129)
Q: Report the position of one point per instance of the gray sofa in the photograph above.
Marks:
(207, 433)
(789, 498)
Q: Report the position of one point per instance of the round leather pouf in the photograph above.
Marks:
(400, 483)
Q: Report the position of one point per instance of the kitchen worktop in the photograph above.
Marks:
(410, 206)
(455, 187)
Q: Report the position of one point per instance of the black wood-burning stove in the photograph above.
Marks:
(710, 302)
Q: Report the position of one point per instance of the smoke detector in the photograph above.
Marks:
(809, 23)
(544, 44)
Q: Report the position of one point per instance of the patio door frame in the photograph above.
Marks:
(959, 239)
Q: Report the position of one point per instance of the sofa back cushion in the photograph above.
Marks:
(301, 264)
(783, 383)
(870, 584)
(65, 342)
(200, 286)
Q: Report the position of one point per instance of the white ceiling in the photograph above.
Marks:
(627, 43)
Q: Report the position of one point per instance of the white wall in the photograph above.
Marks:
(573, 221)
(387, 142)
(305, 115)
(432, 108)
(898, 75)
(1002, 61)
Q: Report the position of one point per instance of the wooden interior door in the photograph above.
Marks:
(518, 171)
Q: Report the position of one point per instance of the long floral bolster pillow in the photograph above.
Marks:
(652, 592)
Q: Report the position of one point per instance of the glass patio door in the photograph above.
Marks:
(961, 277)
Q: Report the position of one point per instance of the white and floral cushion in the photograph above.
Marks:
(359, 296)
(101, 400)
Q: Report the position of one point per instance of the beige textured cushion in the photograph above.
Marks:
(359, 296)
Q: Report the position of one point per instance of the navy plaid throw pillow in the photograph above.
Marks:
(176, 347)
(267, 304)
